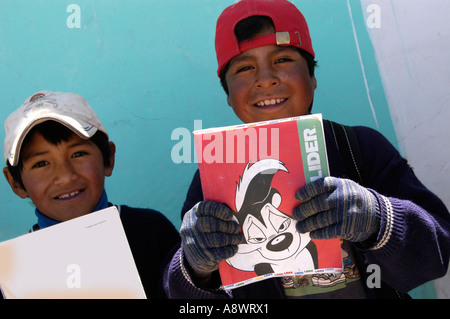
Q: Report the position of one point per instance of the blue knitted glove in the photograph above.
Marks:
(209, 235)
(337, 208)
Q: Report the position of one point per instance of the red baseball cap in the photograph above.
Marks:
(290, 28)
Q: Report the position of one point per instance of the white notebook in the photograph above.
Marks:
(86, 257)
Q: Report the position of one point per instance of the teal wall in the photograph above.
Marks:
(349, 85)
(148, 67)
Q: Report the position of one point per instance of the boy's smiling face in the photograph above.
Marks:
(269, 82)
(66, 180)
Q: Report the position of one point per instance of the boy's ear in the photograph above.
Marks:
(228, 100)
(112, 156)
(15, 186)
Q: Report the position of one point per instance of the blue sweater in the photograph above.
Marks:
(413, 244)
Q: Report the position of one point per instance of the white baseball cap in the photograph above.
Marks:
(69, 109)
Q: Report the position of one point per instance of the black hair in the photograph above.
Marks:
(55, 133)
(247, 29)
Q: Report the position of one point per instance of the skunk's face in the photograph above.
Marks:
(276, 238)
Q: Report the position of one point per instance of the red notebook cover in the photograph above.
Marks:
(256, 169)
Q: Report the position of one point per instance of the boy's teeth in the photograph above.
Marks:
(270, 102)
(68, 195)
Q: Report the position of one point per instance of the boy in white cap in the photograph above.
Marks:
(58, 154)
(385, 217)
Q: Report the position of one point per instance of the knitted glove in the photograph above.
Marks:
(337, 208)
(209, 235)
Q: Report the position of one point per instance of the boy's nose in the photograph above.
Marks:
(266, 78)
(64, 173)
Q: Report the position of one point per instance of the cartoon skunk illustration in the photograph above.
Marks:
(272, 243)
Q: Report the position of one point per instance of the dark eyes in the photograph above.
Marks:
(40, 164)
(243, 69)
(45, 163)
(79, 154)
(251, 66)
(282, 60)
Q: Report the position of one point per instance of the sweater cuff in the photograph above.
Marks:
(180, 285)
(391, 226)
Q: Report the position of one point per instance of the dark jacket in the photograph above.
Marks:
(414, 239)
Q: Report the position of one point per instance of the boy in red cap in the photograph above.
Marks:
(386, 218)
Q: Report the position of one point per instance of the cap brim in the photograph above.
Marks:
(81, 128)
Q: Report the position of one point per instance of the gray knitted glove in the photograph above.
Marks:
(209, 235)
(337, 208)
